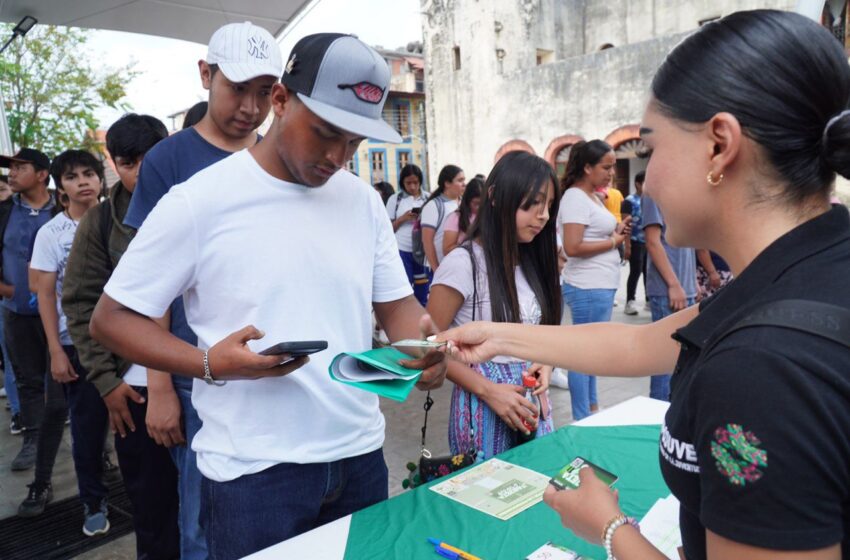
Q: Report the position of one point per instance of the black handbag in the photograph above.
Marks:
(431, 468)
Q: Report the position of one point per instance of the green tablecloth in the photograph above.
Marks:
(398, 528)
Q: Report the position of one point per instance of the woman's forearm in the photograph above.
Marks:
(643, 349)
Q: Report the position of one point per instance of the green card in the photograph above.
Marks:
(376, 371)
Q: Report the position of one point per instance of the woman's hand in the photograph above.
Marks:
(472, 343)
(543, 375)
(509, 404)
(61, 369)
(586, 510)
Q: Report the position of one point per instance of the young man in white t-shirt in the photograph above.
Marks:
(78, 176)
(281, 237)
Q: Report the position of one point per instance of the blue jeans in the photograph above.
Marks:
(659, 385)
(258, 510)
(418, 276)
(193, 545)
(9, 376)
(586, 306)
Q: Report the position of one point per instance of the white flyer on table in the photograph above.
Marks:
(496, 488)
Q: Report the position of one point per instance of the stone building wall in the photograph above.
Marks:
(531, 73)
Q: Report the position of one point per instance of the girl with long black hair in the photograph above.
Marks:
(442, 202)
(507, 271)
(403, 209)
(460, 221)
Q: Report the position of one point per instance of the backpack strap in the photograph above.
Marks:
(105, 211)
(441, 212)
(398, 196)
(5, 214)
(820, 319)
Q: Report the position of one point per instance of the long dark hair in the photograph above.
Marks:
(581, 154)
(447, 175)
(784, 77)
(513, 184)
(407, 171)
(471, 192)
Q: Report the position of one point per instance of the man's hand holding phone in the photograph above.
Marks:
(231, 358)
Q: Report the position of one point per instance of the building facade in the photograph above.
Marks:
(377, 161)
(539, 75)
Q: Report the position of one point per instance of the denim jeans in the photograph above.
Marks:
(257, 510)
(9, 375)
(586, 306)
(88, 430)
(151, 482)
(193, 545)
(659, 385)
(418, 275)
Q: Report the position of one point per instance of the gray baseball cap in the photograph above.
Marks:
(343, 81)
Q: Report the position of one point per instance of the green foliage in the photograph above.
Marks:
(51, 90)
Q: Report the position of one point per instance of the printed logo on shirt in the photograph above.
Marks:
(680, 454)
(737, 454)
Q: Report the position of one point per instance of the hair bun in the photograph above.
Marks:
(836, 144)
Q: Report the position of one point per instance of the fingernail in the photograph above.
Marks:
(431, 338)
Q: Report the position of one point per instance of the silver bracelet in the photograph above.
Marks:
(208, 378)
(608, 534)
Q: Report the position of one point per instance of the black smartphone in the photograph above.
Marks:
(296, 349)
(416, 210)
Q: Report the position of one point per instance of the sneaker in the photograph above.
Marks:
(559, 379)
(110, 469)
(26, 456)
(96, 522)
(631, 308)
(39, 495)
(15, 427)
(2, 392)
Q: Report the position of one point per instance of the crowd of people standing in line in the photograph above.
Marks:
(112, 308)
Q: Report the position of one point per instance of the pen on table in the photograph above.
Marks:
(462, 554)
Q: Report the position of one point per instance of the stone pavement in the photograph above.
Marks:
(404, 421)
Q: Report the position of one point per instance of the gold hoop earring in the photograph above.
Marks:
(712, 181)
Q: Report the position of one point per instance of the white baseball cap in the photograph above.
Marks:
(244, 51)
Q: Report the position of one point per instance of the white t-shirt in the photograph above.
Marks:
(431, 219)
(300, 263)
(456, 272)
(50, 254)
(136, 376)
(403, 234)
(600, 271)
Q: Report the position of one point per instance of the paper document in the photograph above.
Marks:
(496, 488)
(660, 526)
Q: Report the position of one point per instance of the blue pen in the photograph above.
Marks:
(445, 553)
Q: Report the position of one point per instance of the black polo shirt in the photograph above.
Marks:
(756, 443)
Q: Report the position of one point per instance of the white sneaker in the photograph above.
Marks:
(559, 379)
(631, 308)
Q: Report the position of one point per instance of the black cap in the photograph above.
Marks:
(27, 155)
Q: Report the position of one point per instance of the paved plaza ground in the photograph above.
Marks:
(404, 421)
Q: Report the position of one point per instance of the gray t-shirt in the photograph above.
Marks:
(683, 260)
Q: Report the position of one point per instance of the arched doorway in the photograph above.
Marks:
(631, 155)
(558, 152)
(513, 146)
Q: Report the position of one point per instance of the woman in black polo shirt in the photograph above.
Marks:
(748, 124)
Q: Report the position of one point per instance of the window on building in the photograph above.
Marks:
(403, 159)
(545, 56)
(836, 22)
(352, 165)
(456, 58)
(377, 167)
(401, 119)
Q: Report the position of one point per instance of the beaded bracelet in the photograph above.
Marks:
(208, 378)
(610, 527)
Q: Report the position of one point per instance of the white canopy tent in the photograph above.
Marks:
(190, 20)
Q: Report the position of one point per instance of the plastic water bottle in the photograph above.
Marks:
(530, 383)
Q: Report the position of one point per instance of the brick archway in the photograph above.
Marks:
(513, 146)
(623, 134)
(558, 144)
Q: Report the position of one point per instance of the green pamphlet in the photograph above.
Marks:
(376, 371)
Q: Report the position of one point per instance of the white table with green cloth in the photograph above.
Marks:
(622, 439)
